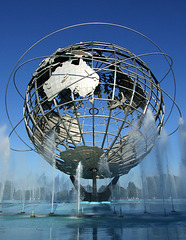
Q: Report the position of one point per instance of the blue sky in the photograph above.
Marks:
(22, 23)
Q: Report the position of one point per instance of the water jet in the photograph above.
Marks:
(32, 214)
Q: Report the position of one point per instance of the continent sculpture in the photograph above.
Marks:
(95, 99)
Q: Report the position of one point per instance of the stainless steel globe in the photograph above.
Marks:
(96, 99)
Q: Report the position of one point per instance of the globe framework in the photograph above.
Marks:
(91, 102)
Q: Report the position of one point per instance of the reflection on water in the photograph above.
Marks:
(23, 227)
(108, 226)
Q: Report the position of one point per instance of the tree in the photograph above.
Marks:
(132, 190)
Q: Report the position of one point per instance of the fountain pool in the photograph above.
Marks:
(98, 221)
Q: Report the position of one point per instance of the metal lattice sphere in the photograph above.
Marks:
(96, 99)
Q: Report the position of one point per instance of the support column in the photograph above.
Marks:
(94, 185)
(95, 196)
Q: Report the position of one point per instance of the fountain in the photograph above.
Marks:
(49, 151)
(182, 133)
(23, 198)
(182, 168)
(144, 189)
(122, 214)
(78, 183)
(4, 159)
(104, 169)
(169, 182)
(32, 214)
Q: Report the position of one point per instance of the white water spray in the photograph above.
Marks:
(78, 182)
(51, 148)
(182, 173)
(182, 132)
(169, 181)
(4, 159)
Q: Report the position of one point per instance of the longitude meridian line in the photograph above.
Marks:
(101, 69)
(93, 118)
(104, 120)
(83, 121)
